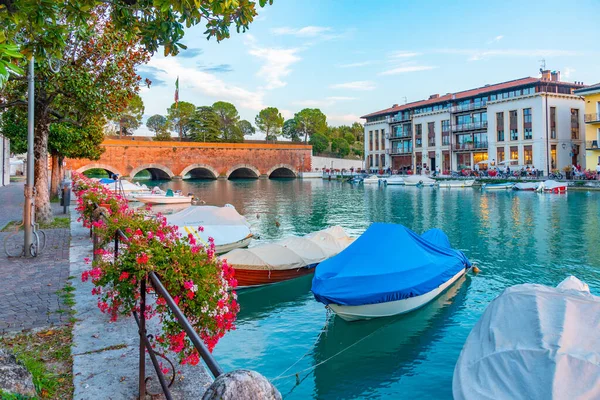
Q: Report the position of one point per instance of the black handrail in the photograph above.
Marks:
(159, 288)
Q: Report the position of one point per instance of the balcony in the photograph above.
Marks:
(470, 126)
(398, 151)
(403, 135)
(591, 118)
(468, 107)
(400, 118)
(470, 146)
(592, 145)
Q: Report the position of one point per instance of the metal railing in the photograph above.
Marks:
(592, 117)
(469, 126)
(145, 344)
(406, 135)
(401, 151)
(470, 146)
(591, 144)
(468, 107)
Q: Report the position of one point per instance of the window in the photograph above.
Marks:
(512, 122)
(500, 154)
(370, 140)
(527, 123)
(553, 156)
(514, 153)
(445, 132)
(382, 160)
(418, 135)
(431, 133)
(376, 140)
(552, 122)
(528, 153)
(574, 123)
(464, 160)
(500, 126)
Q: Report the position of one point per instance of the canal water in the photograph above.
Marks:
(514, 237)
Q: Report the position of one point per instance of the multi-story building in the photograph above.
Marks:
(377, 155)
(529, 121)
(591, 96)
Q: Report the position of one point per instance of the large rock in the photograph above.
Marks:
(14, 377)
(241, 384)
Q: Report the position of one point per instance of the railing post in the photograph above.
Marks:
(142, 331)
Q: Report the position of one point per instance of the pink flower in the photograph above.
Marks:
(188, 285)
(201, 228)
(84, 276)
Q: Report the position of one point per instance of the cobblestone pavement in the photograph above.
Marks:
(28, 286)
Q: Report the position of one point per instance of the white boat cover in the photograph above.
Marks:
(526, 186)
(414, 179)
(550, 184)
(224, 224)
(291, 253)
(533, 342)
(127, 186)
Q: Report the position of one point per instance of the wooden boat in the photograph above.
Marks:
(527, 186)
(360, 283)
(551, 186)
(497, 186)
(456, 183)
(161, 198)
(225, 225)
(371, 180)
(393, 180)
(286, 259)
(419, 180)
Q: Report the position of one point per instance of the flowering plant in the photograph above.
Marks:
(200, 283)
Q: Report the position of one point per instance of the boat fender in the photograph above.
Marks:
(420, 182)
(277, 224)
(476, 270)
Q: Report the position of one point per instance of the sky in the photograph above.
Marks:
(353, 57)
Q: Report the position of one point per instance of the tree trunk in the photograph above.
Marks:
(43, 211)
(55, 177)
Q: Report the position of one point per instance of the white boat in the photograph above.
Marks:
(393, 180)
(497, 186)
(370, 180)
(530, 186)
(286, 259)
(225, 225)
(418, 180)
(456, 183)
(533, 342)
(361, 284)
(161, 199)
(551, 186)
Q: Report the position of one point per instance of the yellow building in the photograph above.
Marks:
(591, 95)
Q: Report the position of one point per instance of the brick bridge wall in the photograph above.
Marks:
(175, 159)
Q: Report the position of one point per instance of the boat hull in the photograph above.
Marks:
(497, 186)
(391, 308)
(164, 200)
(224, 248)
(252, 277)
(458, 184)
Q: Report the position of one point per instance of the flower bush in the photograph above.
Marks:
(200, 283)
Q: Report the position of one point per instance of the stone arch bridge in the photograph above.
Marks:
(178, 160)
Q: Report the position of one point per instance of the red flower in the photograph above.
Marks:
(124, 276)
(190, 295)
(142, 258)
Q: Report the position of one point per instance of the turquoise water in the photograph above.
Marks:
(514, 237)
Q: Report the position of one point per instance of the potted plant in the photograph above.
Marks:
(568, 170)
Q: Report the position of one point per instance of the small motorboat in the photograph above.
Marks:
(158, 196)
(551, 186)
(355, 180)
(533, 342)
(528, 186)
(418, 180)
(393, 180)
(497, 186)
(371, 180)
(371, 278)
(456, 183)
(225, 225)
(286, 259)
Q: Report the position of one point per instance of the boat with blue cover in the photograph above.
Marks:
(406, 272)
(497, 186)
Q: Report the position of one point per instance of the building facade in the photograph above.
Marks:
(377, 154)
(535, 122)
(591, 96)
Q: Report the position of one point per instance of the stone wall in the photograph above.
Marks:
(338, 163)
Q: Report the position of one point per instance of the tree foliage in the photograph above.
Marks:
(340, 146)
(157, 124)
(290, 130)
(310, 121)
(228, 122)
(130, 118)
(180, 117)
(204, 126)
(246, 128)
(319, 143)
(269, 121)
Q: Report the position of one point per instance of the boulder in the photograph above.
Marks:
(14, 377)
(241, 384)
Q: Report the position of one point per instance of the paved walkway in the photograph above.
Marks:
(28, 286)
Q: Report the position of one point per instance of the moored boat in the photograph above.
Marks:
(360, 283)
(456, 183)
(225, 225)
(158, 196)
(286, 259)
(551, 186)
(497, 186)
(393, 180)
(419, 180)
(533, 342)
(370, 180)
(528, 186)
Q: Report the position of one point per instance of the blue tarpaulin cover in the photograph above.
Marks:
(106, 180)
(386, 263)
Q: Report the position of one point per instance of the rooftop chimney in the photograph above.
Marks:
(395, 105)
(546, 75)
(434, 96)
(555, 76)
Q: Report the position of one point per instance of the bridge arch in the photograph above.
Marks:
(282, 171)
(241, 171)
(200, 171)
(107, 168)
(157, 171)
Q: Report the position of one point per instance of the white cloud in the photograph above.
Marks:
(307, 31)
(357, 64)
(326, 102)
(207, 84)
(496, 39)
(405, 69)
(277, 62)
(342, 119)
(287, 114)
(403, 54)
(568, 71)
(355, 85)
